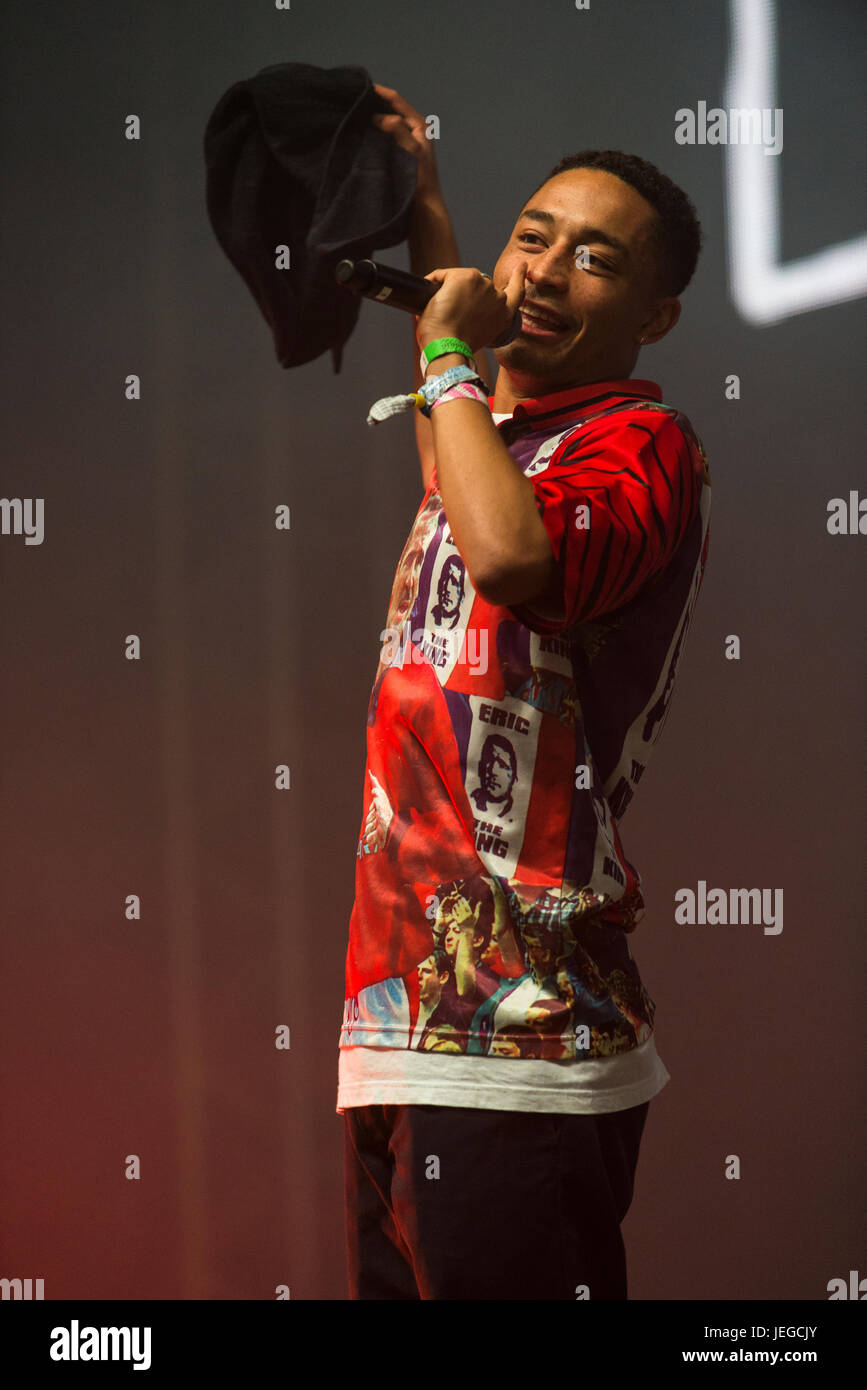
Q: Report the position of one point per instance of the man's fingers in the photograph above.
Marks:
(390, 120)
(515, 287)
(398, 102)
(396, 127)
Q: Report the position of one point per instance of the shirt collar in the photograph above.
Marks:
(560, 402)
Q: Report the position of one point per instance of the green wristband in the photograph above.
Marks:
(440, 346)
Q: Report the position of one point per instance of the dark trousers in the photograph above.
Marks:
(457, 1203)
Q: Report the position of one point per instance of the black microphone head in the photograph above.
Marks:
(356, 275)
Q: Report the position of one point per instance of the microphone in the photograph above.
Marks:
(388, 285)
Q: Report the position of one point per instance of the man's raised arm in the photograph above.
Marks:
(431, 239)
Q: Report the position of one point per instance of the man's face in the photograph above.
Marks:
(428, 981)
(451, 596)
(405, 585)
(498, 774)
(452, 937)
(601, 307)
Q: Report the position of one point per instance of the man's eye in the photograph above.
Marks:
(523, 236)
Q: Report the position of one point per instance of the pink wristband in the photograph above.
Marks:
(463, 388)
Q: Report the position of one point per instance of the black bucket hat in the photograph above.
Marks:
(292, 159)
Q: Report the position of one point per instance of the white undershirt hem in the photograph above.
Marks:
(402, 1076)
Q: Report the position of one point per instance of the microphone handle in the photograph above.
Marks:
(388, 285)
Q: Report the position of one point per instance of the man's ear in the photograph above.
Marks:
(661, 321)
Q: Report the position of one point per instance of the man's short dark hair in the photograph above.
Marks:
(677, 237)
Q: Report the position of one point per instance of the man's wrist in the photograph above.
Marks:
(431, 235)
(440, 364)
(429, 210)
(430, 200)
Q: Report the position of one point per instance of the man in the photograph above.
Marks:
(499, 1162)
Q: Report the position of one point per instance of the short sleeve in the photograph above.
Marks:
(616, 501)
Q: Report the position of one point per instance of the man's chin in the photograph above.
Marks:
(530, 350)
(541, 369)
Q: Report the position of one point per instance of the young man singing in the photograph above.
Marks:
(497, 1058)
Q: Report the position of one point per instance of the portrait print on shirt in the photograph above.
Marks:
(440, 620)
(499, 759)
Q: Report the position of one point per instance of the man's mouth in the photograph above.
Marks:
(540, 322)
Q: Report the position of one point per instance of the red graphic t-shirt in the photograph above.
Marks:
(494, 899)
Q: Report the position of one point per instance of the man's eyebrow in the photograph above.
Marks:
(588, 234)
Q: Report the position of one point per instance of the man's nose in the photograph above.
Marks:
(550, 267)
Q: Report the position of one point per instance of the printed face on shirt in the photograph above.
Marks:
(450, 940)
(456, 915)
(498, 775)
(429, 982)
(454, 912)
(450, 590)
(497, 768)
(406, 585)
(602, 306)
